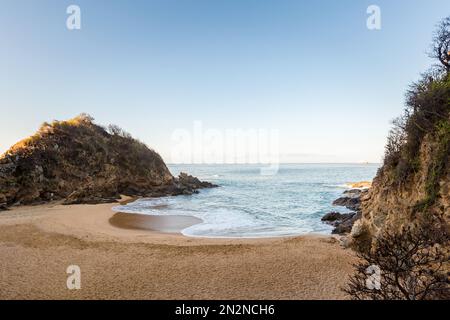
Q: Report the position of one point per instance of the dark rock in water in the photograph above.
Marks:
(183, 185)
(332, 216)
(190, 182)
(353, 192)
(345, 226)
(351, 203)
(78, 161)
(343, 223)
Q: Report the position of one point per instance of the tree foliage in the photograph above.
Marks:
(427, 107)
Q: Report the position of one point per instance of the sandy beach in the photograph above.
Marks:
(118, 261)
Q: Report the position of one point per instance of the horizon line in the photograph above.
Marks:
(360, 163)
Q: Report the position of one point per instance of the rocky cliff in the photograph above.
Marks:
(414, 181)
(79, 161)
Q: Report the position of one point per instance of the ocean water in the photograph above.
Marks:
(250, 205)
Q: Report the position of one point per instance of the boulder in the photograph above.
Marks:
(345, 226)
(343, 223)
(194, 183)
(332, 216)
(353, 193)
(351, 203)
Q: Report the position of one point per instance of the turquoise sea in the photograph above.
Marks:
(248, 204)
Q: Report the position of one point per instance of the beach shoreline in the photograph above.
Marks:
(37, 243)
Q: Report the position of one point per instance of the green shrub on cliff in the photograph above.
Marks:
(427, 113)
(427, 110)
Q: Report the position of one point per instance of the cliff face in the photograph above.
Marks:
(391, 205)
(81, 162)
(413, 185)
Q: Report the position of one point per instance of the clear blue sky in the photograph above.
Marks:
(311, 70)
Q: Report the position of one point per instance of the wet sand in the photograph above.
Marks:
(38, 243)
(170, 224)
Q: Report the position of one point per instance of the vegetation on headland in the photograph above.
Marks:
(79, 161)
(404, 230)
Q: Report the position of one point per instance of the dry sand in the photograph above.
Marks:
(38, 243)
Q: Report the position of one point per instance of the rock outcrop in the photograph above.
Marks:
(389, 204)
(412, 188)
(343, 222)
(78, 161)
(351, 199)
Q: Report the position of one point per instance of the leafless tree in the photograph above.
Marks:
(395, 140)
(414, 265)
(440, 49)
(118, 131)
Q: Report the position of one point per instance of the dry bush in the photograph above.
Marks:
(414, 265)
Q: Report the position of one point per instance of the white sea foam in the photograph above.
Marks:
(248, 205)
